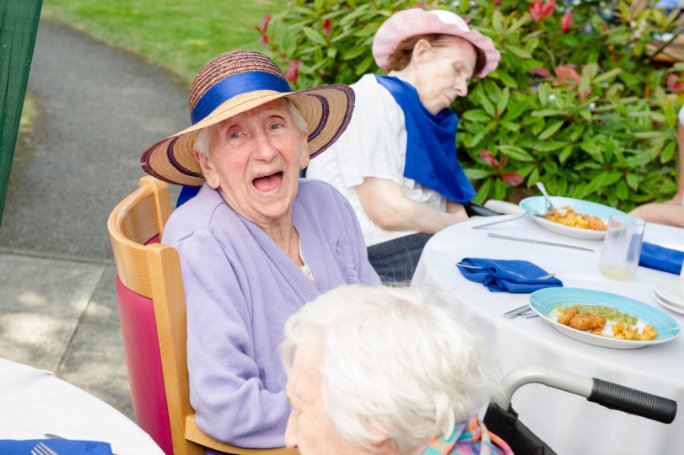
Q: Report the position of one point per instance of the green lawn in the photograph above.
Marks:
(180, 35)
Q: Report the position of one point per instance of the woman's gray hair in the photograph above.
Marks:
(203, 139)
(396, 364)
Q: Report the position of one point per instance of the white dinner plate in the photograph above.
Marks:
(669, 292)
(536, 204)
(545, 302)
(669, 306)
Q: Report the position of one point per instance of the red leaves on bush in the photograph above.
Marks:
(566, 74)
(540, 10)
(326, 27)
(262, 29)
(566, 22)
(543, 72)
(264, 22)
(490, 159)
(674, 84)
(292, 71)
(512, 178)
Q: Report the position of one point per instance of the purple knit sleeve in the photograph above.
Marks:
(231, 402)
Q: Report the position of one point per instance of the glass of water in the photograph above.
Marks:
(622, 247)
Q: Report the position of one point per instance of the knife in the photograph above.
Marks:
(541, 242)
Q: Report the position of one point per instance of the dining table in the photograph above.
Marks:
(568, 423)
(35, 404)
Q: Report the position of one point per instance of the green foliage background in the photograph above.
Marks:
(587, 111)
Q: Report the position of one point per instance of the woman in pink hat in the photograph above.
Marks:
(396, 162)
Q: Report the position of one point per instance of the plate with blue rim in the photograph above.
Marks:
(537, 205)
(547, 302)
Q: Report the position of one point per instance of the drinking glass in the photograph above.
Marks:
(622, 247)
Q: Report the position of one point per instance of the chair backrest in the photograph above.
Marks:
(151, 301)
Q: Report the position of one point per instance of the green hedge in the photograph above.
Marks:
(578, 101)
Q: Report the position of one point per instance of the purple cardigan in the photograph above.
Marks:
(241, 288)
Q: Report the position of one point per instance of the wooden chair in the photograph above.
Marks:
(151, 302)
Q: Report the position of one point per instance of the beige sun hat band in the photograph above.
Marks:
(326, 110)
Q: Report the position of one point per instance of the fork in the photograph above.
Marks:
(524, 311)
(548, 206)
(42, 449)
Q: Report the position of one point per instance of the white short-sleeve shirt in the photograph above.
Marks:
(373, 145)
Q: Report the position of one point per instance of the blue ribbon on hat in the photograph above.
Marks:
(250, 81)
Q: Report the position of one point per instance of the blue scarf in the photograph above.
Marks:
(431, 144)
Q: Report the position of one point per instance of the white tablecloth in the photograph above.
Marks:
(34, 402)
(568, 423)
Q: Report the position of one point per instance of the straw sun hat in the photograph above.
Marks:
(412, 22)
(235, 82)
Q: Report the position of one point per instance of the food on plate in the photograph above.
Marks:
(596, 318)
(568, 217)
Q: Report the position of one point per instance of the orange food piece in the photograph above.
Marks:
(573, 219)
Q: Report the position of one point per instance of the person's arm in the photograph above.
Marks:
(679, 196)
(231, 401)
(670, 214)
(456, 209)
(385, 203)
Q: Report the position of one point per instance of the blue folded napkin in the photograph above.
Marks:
(501, 275)
(61, 446)
(660, 258)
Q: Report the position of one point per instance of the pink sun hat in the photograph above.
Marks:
(415, 21)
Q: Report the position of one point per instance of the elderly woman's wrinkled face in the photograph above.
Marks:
(255, 159)
(443, 71)
(308, 429)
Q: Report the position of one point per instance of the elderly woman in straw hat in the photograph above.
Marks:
(396, 163)
(256, 243)
(380, 370)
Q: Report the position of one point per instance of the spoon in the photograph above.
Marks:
(549, 204)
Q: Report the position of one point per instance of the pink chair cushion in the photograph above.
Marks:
(143, 361)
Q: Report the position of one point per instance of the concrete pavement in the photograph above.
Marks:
(98, 108)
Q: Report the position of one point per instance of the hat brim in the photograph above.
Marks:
(326, 109)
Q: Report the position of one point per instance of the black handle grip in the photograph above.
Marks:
(632, 401)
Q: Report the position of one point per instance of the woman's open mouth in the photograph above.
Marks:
(270, 182)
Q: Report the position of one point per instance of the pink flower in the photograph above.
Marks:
(566, 22)
(540, 10)
(326, 27)
(490, 159)
(292, 71)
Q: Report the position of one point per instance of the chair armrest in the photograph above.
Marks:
(195, 434)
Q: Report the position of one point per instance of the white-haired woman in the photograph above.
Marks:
(396, 162)
(255, 243)
(380, 370)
